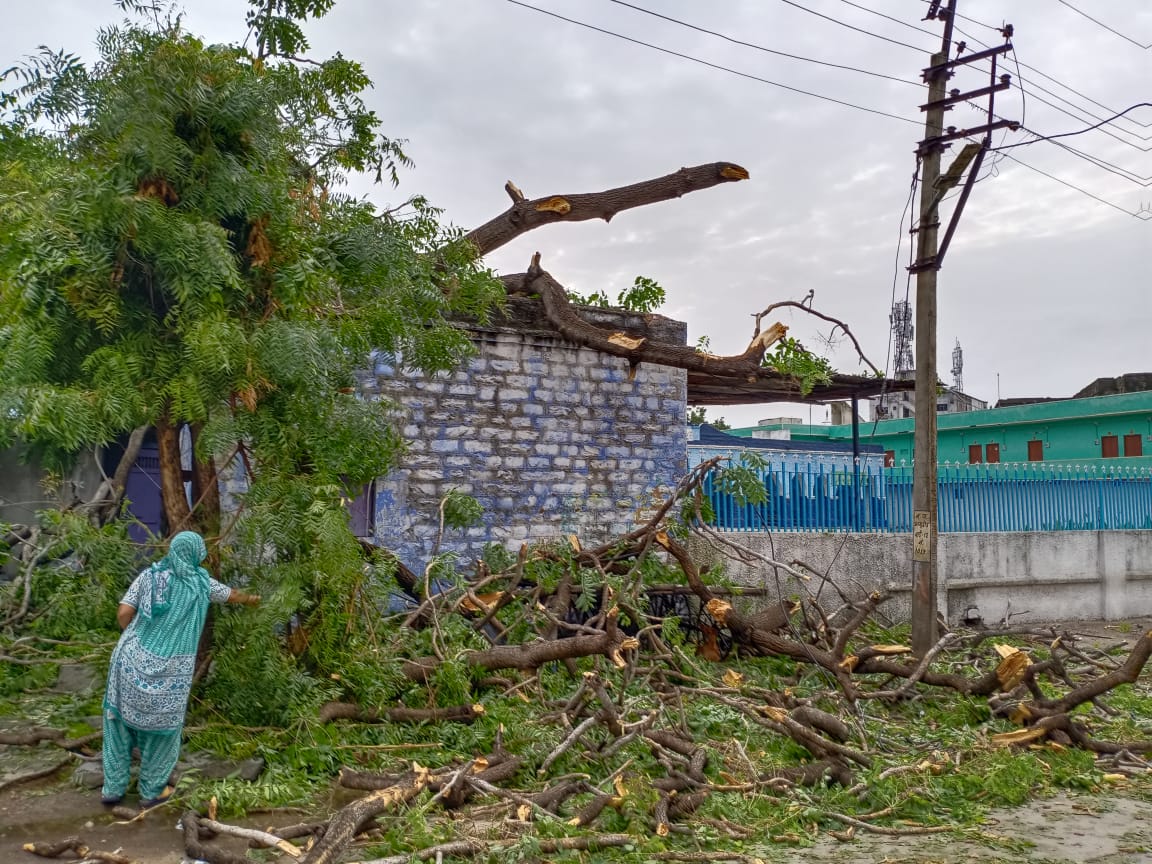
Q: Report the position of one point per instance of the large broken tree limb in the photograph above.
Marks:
(564, 317)
(1126, 674)
(332, 711)
(527, 214)
(608, 643)
(350, 821)
(745, 631)
(735, 374)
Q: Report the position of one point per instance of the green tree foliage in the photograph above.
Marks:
(699, 415)
(176, 248)
(643, 295)
(790, 357)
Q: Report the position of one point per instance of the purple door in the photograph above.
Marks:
(143, 493)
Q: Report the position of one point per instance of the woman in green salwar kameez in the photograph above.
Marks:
(150, 677)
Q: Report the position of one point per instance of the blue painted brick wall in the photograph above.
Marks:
(551, 439)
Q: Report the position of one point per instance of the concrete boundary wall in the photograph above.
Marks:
(1037, 576)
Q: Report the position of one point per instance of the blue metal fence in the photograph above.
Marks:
(1008, 497)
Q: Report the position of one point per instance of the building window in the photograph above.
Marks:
(1109, 446)
(941, 407)
(975, 454)
(889, 458)
(1133, 445)
(1036, 451)
(992, 453)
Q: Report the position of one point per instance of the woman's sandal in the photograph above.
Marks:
(111, 802)
(162, 798)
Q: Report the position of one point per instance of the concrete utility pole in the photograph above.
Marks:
(924, 453)
(930, 252)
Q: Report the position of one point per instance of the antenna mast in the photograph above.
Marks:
(902, 331)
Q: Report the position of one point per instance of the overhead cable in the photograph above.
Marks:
(763, 48)
(711, 65)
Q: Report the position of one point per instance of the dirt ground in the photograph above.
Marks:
(54, 813)
(1076, 830)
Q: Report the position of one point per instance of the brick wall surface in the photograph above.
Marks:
(550, 438)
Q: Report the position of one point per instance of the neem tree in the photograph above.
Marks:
(174, 251)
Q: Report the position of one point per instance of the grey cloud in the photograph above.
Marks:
(1042, 285)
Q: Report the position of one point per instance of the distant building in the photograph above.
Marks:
(705, 442)
(1080, 430)
(899, 406)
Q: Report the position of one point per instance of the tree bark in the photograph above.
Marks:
(332, 711)
(525, 215)
(349, 821)
(563, 316)
(205, 491)
(532, 655)
(175, 500)
(1126, 674)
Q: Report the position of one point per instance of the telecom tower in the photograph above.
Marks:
(902, 331)
(958, 368)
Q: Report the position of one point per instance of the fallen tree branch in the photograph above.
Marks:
(889, 832)
(78, 848)
(197, 850)
(1126, 674)
(468, 848)
(333, 711)
(524, 215)
(637, 349)
(836, 321)
(349, 821)
(609, 643)
(262, 839)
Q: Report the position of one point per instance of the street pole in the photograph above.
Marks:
(924, 454)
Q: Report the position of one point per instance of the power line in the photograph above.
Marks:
(711, 65)
(1092, 159)
(1112, 204)
(956, 14)
(852, 27)
(1019, 75)
(983, 44)
(1022, 81)
(1099, 23)
(896, 272)
(1039, 72)
(1048, 77)
(1079, 131)
(736, 41)
(890, 18)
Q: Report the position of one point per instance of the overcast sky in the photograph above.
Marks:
(1043, 286)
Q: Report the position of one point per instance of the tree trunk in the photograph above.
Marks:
(177, 514)
(205, 492)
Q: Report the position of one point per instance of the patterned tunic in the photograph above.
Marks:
(148, 682)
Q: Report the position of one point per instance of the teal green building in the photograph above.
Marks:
(1113, 430)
